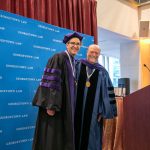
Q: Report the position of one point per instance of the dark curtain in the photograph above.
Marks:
(78, 15)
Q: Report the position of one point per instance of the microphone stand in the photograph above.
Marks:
(146, 67)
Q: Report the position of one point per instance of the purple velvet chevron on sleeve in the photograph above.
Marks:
(50, 85)
(52, 70)
(51, 79)
(49, 92)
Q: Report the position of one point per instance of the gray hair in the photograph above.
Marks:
(94, 46)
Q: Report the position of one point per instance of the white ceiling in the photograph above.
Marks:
(110, 42)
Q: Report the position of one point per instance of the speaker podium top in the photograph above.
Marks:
(139, 94)
(136, 107)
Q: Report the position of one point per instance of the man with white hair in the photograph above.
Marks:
(95, 100)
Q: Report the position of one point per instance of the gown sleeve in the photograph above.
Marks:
(49, 92)
(107, 106)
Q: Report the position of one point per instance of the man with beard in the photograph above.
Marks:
(95, 101)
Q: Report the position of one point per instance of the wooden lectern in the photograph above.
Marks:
(136, 124)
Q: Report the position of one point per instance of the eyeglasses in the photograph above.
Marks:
(73, 43)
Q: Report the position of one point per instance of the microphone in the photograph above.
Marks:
(146, 67)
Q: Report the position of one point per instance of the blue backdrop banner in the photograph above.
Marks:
(25, 46)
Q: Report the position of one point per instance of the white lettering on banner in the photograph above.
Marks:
(28, 79)
(25, 128)
(45, 48)
(10, 91)
(79, 55)
(19, 141)
(2, 28)
(25, 56)
(57, 41)
(13, 19)
(19, 103)
(13, 116)
(30, 34)
(47, 28)
(20, 67)
(10, 42)
(1, 77)
(84, 46)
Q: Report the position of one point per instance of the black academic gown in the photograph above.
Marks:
(56, 91)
